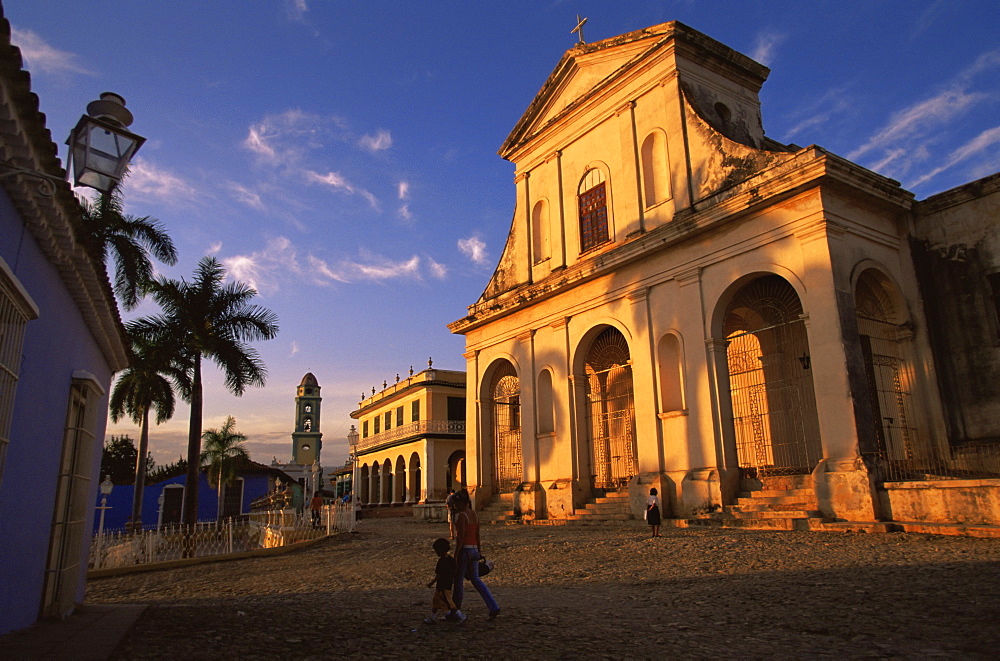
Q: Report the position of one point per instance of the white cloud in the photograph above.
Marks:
(765, 47)
(145, 180)
(439, 271)
(381, 141)
(404, 212)
(264, 269)
(974, 147)
(372, 267)
(919, 118)
(214, 248)
(473, 248)
(331, 179)
(297, 8)
(284, 139)
(43, 58)
(246, 196)
(403, 190)
(294, 349)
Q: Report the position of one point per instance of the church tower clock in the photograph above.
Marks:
(307, 438)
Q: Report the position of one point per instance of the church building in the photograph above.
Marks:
(684, 303)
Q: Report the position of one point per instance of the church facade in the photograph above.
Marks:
(686, 304)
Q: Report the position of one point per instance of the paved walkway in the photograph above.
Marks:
(578, 592)
(92, 632)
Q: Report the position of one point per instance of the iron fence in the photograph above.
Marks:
(919, 464)
(258, 530)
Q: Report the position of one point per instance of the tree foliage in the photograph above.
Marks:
(129, 241)
(207, 318)
(119, 459)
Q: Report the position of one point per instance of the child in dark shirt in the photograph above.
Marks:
(444, 580)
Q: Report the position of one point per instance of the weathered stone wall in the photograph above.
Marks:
(955, 501)
(956, 246)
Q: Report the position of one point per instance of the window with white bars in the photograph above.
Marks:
(16, 310)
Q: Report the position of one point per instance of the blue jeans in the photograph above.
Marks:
(470, 558)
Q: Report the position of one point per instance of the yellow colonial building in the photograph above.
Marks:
(684, 303)
(411, 448)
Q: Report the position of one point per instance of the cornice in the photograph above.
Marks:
(54, 221)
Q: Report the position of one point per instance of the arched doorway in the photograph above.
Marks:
(506, 404)
(414, 493)
(770, 381)
(611, 410)
(883, 337)
(455, 477)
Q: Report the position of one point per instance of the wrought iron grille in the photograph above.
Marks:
(507, 429)
(612, 411)
(770, 381)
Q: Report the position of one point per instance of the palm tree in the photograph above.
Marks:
(130, 241)
(209, 320)
(223, 448)
(147, 383)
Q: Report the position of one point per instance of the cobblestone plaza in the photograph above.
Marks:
(581, 592)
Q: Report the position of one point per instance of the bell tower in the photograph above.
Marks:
(307, 438)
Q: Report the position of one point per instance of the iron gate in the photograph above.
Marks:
(612, 411)
(770, 381)
(507, 429)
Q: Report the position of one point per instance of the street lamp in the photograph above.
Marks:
(105, 487)
(352, 440)
(100, 147)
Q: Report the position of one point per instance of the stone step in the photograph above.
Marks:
(622, 516)
(765, 493)
(740, 513)
(750, 505)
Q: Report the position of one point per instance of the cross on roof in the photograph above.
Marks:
(579, 27)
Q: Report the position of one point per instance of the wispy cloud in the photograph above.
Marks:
(974, 147)
(145, 180)
(280, 264)
(44, 58)
(403, 190)
(381, 141)
(246, 196)
(919, 118)
(338, 182)
(766, 46)
(263, 270)
(283, 139)
(474, 248)
(911, 137)
(833, 103)
(294, 349)
(297, 8)
(214, 248)
(437, 270)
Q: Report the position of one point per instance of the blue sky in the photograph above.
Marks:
(341, 156)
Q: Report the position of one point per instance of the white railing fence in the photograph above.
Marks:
(257, 530)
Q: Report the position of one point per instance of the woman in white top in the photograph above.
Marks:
(653, 512)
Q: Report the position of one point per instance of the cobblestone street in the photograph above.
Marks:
(581, 592)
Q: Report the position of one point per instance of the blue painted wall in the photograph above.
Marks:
(120, 501)
(56, 345)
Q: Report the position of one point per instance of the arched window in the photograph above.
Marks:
(668, 354)
(592, 197)
(307, 424)
(308, 408)
(540, 231)
(655, 176)
(546, 405)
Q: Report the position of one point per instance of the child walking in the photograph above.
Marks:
(444, 578)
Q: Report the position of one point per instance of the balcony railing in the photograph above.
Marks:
(456, 427)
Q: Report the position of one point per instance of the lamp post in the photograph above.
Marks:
(352, 440)
(106, 486)
(100, 149)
